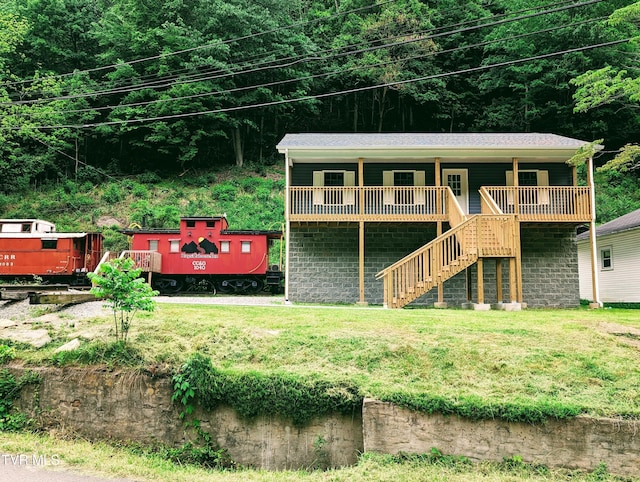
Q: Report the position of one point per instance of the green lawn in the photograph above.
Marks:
(106, 460)
(589, 360)
(585, 360)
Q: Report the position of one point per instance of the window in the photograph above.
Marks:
(153, 245)
(174, 246)
(211, 224)
(403, 179)
(332, 180)
(454, 181)
(225, 246)
(527, 178)
(26, 228)
(245, 246)
(49, 244)
(606, 260)
(191, 223)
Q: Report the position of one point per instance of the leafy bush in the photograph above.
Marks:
(224, 192)
(7, 353)
(9, 391)
(119, 282)
(112, 194)
(251, 394)
(149, 178)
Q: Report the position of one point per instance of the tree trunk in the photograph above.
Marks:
(355, 112)
(237, 146)
(381, 111)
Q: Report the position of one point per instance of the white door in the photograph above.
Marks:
(458, 181)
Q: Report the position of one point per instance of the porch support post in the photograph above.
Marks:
(517, 244)
(592, 239)
(361, 231)
(480, 264)
(513, 293)
(287, 211)
(499, 280)
(440, 303)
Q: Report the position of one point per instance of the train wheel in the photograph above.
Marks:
(167, 285)
(202, 286)
(240, 286)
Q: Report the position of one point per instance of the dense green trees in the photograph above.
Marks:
(174, 86)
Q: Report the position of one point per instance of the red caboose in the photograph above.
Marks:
(32, 247)
(205, 256)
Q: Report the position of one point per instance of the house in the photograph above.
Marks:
(617, 260)
(442, 219)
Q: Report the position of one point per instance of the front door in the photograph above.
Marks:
(458, 181)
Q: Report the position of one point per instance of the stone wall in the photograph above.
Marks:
(579, 443)
(324, 262)
(129, 406)
(550, 275)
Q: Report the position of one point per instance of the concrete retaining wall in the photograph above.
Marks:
(580, 443)
(127, 406)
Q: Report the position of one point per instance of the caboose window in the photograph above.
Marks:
(26, 228)
(153, 245)
(245, 246)
(174, 245)
(49, 244)
(191, 223)
(224, 246)
(211, 224)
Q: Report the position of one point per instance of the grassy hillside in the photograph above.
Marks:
(251, 199)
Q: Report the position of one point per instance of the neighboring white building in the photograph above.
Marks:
(618, 250)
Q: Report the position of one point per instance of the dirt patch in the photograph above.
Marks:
(107, 222)
(625, 334)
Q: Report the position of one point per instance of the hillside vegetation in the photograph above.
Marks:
(251, 199)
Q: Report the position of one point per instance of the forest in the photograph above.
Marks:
(170, 87)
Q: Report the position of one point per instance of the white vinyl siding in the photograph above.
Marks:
(620, 284)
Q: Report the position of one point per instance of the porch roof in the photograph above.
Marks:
(317, 147)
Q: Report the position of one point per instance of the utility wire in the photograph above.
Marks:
(214, 44)
(325, 74)
(342, 92)
(173, 74)
(307, 59)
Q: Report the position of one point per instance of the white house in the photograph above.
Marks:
(618, 260)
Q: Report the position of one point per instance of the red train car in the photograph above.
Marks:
(33, 247)
(203, 255)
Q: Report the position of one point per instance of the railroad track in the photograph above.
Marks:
(46, 294)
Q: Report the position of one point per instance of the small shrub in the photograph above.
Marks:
(7, 353)
(224, 192)
(112, 194)
(149, 178)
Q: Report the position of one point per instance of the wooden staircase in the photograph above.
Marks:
(478, 236)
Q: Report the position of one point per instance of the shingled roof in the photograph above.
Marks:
(431, 140)
(623, 223)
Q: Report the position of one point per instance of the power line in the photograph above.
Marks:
(325, 74)
(210, 45)
(307, 59)
(342, 92)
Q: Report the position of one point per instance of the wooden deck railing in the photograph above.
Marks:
(447, 255)
(369, 203)
(147, 261)
(542, 203)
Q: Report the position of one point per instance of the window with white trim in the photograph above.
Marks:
(153, 245)
(245, 246)
(403, 178)
(174, 245)
(334, 179)
(606, 258)
(225, 246)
